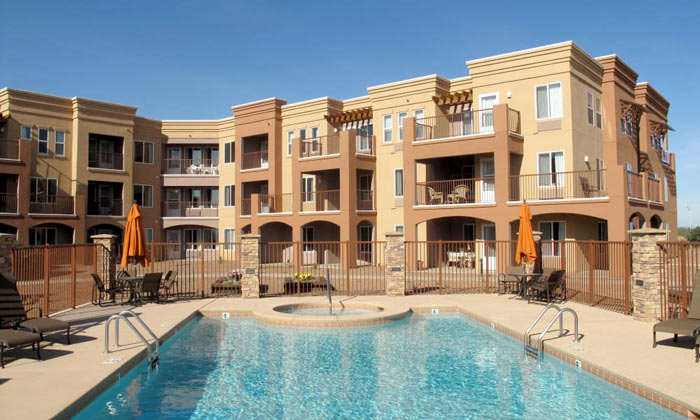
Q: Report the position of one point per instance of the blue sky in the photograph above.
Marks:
(189, 60)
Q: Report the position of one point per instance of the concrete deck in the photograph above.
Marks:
(613, 346)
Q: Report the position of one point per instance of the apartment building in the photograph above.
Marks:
(576, 137)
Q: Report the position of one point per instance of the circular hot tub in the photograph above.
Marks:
(314, 314)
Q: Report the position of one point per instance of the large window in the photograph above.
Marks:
(388, 125)
(143, 195)
(589, 107)
(548, 100)
(598, 113)
(26, 132)
(60, 143)
(43, 189)
(398, 182)
(42, 236)
(229, 194)
(550, 166)
(402, 116)
(143, 151)
(43, 141)
(551, 233)
(418, 114)
(229, 239)
(307, 189)
(229, 152)
(290, 138)
(595, 110)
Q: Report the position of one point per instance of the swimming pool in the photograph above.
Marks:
(425, 366)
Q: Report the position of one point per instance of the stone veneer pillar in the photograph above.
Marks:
(250, 265)
(646, 294)
(395, 264)
(103, 265)
(6, 242)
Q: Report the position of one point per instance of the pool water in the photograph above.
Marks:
(324, 311)
(425, 366)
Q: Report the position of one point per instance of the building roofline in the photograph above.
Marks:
(542, 47)
(272, 98)
(322, 98)
(414, 79)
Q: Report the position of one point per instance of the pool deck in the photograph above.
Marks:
(613, 346)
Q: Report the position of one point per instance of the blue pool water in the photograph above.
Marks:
(426, 366)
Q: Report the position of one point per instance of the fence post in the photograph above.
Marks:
(250, 265)
(47, 276)
(347, 267)
(627, 272)
(646, 272)
(395, 264)
(6, 241)
(684, 277)
(73, 285)
(591, 272)
(201, 254)
(440, 266)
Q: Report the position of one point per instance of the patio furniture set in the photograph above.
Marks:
(458, 195)
(133, 289)
(202, 170)
(547, 286)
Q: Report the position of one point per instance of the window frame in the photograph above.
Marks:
(290, 141)
(231, 195)
(590, 108)
(308, 196)
(229, 245)
(554, 184)
(35, 180)
(598, 108)
(62, 143)
(549, 105)
(390, 129)
(396, 170)
(21, 132)
(143, 160)
(144, 188)
(230, 155)
(39, 141)
(396, 229)
(145, 234)
(44, 229)
(399, 118)
(555, 250)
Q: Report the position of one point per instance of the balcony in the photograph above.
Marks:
(8, 203)
(274, 204)
(558, 186)
(456, 192)
(190, 167)
(254, 160)
(320, 201)
(9, 149)
(365, 200)
(463, 124)
(190, 209)
(320, 146)
(113, 161)
(105, 207)
(52, 204)
(634, 185)
(245, 206)
(365, 144)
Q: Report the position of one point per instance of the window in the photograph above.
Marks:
(387, 124)
(302, 134)
(315, 143)
(398, 228)
(229, 239)
(398, 182)
(143, 195)
(402, 116)
(229, 152)
(589, 106)
(149, 235)
(550, 166)
(307, 234)
(665, 189)
(229, 195)
(626, 123)
(43, 189)
(43, 141)
(548, 101)
(551, 233)
(307, 189)
(598, 113)
(290, 138)
(60, 146)
(418, 114)
(143, 151)
(26, 132)
(42, 236)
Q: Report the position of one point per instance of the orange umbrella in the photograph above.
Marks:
(526, 241)
(134, 239)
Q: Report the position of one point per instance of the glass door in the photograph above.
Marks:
(172, 237)
(489, 251)
(488, 183)
(263, 154)
(487, 102)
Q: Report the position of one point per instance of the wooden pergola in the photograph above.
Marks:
(353, 115)
(455, 98)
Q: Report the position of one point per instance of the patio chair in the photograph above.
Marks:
(150, 286)
(169, 284)
(435, 197)
(15, 338)
(545, 285)
(100, 292)
(508, 279)
(459, 194)
(586, 188)
(13, 315)
(689, 326)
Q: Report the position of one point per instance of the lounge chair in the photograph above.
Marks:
(101, 292)
(169, 284)
(459, 194)
(150, 285)
(15, 338)
(508, 279)
(435, 197)
(687, 326)
(545, 285)
(13, 315)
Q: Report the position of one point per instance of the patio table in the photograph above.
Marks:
(133, 282)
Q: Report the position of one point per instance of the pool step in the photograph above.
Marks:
(532, 351)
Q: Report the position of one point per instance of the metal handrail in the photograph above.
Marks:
(152, 355)
(559, 316)
(526, 336)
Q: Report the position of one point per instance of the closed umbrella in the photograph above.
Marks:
(134, 239)
(526, 241)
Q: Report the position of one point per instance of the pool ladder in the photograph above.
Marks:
(153, 351)
(537, 351)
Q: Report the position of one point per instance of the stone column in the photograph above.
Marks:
(6, 242)
(646, 295)
(395, 264)
(250, 265)
(103, 261)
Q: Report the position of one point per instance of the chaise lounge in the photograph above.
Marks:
(689, 326)
(15, 338)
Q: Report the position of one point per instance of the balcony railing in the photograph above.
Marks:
(51, 204)
(665, 156)
(465, 123)
(634, 185)
(190, 209)
(8, 203)
(558, 185)
(653, 191)
(364, 144)
(107, 161)
(9, 149)
(278, 203)
(254, 160)
(190, 166)
(245, 207)
(106, 207)
(365, 200)
(456, 191)
(320, 146)
(320, 200)
(513, 121)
